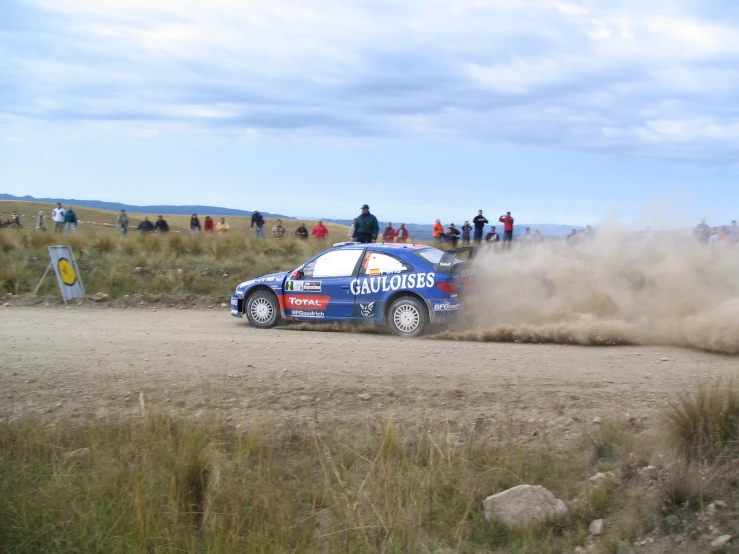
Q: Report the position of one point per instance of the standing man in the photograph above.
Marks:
(122, 222)
(389, 234)
(161, 225)
(702, 232)
(466, 230)
(145, 226)
(257, 223)
(507, 222)
(278, 231)
(479, 221)
(301, 232)
(438, 230)
(734, 232)
(70, 221)
(367, 226)
(402, 233)
(320, 231)
(57, 216)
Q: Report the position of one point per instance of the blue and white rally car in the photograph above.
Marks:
(404, 286)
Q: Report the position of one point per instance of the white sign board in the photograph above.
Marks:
(67, 274)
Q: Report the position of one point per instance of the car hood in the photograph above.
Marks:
(271, 279)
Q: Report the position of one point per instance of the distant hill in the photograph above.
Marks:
(116, 206)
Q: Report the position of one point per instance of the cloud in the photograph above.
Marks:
(650, 79)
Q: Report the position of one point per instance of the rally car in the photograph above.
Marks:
(404, 286)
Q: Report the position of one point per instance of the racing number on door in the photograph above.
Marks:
(66, 272)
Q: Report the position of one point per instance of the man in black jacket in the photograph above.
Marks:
(161, 225)
(479, 221)
(367, 227)
(146, 226)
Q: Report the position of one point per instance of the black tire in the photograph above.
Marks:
(262, 310)
(407, 317)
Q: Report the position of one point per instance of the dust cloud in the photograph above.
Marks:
(612, 289)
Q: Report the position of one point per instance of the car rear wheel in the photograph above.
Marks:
(262, 310)
(407, 317)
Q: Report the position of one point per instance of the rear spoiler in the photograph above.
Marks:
(446, 263)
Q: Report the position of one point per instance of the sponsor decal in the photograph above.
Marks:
(445, 307)
(371, 285)
(367, 310)
(304, 313)
(234, 302)
(303, 286)
(315, 302)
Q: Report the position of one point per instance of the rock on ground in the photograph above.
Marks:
(523, 505)
(597, 527)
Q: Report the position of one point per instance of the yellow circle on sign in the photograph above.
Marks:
(66, 272)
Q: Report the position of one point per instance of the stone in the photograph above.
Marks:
(580, 550)
(597, 527)
(649, 472)
(78, 454)
(600, 478)
(305, 398)
(100, 297)
(664, 359)
(138, 270)
(522, 505)
(723, 540)
(365, 397)
(597, 420)
(224, 305)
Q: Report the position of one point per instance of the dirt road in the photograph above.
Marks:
(74, 362)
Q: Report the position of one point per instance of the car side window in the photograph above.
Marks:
(377, 263)
(337, 263)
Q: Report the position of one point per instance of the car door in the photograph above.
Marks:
(322, 289)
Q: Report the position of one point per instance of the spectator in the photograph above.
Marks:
(452, 234)
(527, 237)
(146, 226)
(70, 221)
(492, 237)
(161, 225)
(589, 234)
(301, 232)
(122, 222)
(537, 237)
(57, 216)
(389, 234)
(702, 231)
(194, 225)
(222, 227)
(367, 226)
(724, 237)
(257, 223)
(734, 232)
(507, 222)
(15, 220)
(41, 222)
(573, 238)
(278, 231)
(713, 239)
(353, 229)
(208, 225)
(466, 230)
(402, 233)
(479, 221)
(320, 231)
(438, 229)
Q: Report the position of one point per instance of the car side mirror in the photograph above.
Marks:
(297, 274)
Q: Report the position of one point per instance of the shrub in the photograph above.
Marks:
(705, 425)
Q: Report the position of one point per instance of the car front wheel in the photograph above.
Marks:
(262, 310)
(407, 317)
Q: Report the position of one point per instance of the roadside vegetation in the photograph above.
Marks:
(176, 263)
(156, 484)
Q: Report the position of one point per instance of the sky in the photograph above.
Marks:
(570, 112)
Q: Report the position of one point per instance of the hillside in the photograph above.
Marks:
(95, 219)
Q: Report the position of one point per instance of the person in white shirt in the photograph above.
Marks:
(57, 216)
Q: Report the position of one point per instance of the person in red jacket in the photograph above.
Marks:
(389, 234)
(402, 233)
(507, 222)
(320, 231)
(208, 227)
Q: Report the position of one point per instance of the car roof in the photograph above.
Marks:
(380, 246)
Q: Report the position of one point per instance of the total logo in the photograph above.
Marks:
(385, 283)
(315, 302)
